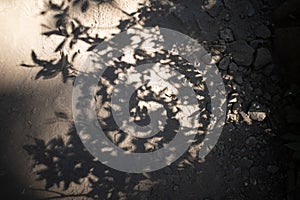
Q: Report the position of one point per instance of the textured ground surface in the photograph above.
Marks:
(41, 154)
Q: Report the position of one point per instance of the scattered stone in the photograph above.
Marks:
(257, 116)
(227, 4)
(256, 43)
(238, 79)
(263, 57)
(144, 185)
(208, 4)
(250, 9)
(232, 118)
(246, 118)
(257, 112)
(233, 68)
(242, 53)
(246, 163)
(213, 7)
(262, 32)
(218, 48)
(268, 70)
(224, 63)
(236, 106)
(175, 187)
(256, 106)
(251, 141)
(168, 170)
(233, 98)
(272, 169)
(226, 35)
(227, 17)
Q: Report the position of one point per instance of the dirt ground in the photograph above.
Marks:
(42, 157)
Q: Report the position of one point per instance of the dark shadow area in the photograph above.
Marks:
(286, 18)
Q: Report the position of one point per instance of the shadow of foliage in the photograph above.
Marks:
(52, 68)
(67, 162)
(64, 163)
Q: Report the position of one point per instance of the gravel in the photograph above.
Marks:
(224, 63)
(263, 57)
(262, 31)
(241, 52)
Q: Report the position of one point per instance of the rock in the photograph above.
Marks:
(262, 32)
(213, 7)
(236, 106)
(251, 141)
(218, 48)
(246, 118)
(250, 9)
(238, 79)
(263, 57)
(246, 163)
(175, 187)
(256, 43)
(224, 63)
(227, 17)
(232, 117)
(272, 169)
(144, 185)
(233, 68)
(227, 4)
(226, 35)
(257, 116)
(268, 70)
(168, 170)
(256, 78)
(233, 98)
(257, 112)
(242, 53)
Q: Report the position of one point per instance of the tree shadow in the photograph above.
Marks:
(65, 162)
(69, 162)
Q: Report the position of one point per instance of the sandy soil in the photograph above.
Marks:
(41, 155)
